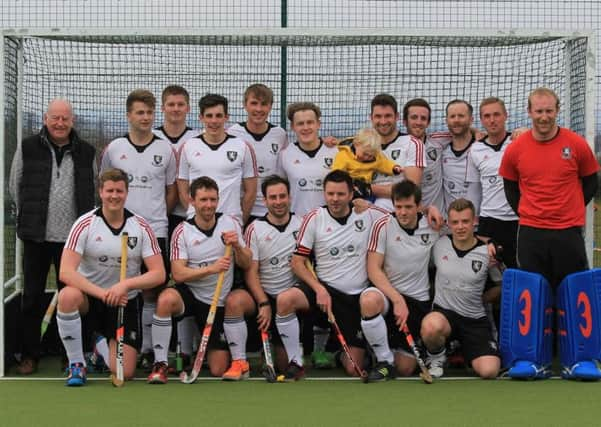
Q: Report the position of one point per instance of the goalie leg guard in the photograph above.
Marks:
(578, 315)
(525, 330)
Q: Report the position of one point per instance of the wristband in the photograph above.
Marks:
(264, 304)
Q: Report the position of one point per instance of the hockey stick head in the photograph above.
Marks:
(426, 377)
(186, 378)
(269, 374)
(116, 381)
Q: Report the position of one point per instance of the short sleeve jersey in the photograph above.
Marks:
(272, 247)
(406, 254)
(176, 143)
(454, 178)
(483, 167)
(548, 174)
(432, 194)
(201, 248)
(460, 278)
(339, 246)
(306, 171)
(150, 168)
(99, 246)
(405, 150)
(268, 147)
(227, 163)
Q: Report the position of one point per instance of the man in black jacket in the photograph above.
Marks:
(52, 183)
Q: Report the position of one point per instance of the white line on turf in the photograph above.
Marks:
(259, 379)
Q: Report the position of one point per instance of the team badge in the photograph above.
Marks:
(425, 238)
(275, 148)
(476, 266)
(432, 154)
(395, 154)
(359, 225)
(451, 185)
(566, 153)
(328, 161)
(132, 242)
(232, 155)
(157, 160)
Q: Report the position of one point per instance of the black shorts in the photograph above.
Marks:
(166, 263)
(174, 221)
(345, 308)
(417, 312)
(102, 319)
(505, 233)
(200, 311)
(475, 335)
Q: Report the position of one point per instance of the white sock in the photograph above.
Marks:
(236, 334)
(289, 329)
(102, 348)
(320, 338)
(185, 334)
(147, 317)
(69, 329)
(376, 334)
(161, 334)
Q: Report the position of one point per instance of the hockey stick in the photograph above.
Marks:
(347, 351)
(269, 370)
(118, 379)
(48, 315)
(206, 332)
(424, 374)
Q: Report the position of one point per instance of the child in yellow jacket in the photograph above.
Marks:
(362, 157)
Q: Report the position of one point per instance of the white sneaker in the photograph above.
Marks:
(436, 364)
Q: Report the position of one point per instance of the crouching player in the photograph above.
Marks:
(197, 257)
(462, 267)
(271, 239)
(402, 292)
(90, 269)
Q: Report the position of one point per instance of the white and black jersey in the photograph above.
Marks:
(272, 247)
(483, 167)
(432, 194)
(406, 254)
(150, 168)
(100, 247)
(405, 150)
(176, 143)
(339, 245)
(227, 163)
(268, 147)
(200, 248)
(454, 177)
(460, 277)
(305, 171)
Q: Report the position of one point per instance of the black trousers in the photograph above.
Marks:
(37, 257)
(552, 253)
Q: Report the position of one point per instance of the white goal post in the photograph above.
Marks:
(338, 69)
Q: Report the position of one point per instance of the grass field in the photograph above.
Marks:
(449, 402)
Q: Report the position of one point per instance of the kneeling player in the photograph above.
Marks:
(462, 267)
(271, 239)
(402, 292)
(90, 268)
(197, 257)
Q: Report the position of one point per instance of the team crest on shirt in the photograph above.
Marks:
(425, 239)
(359, 225)
(476, 266)
(232, 155)
(566, 153)
(274, 148)
(328, 161)
(395, 154)
(157, 160)
(451, 185)
(432, 154)
(132, 242)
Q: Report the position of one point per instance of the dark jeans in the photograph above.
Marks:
(37, 257)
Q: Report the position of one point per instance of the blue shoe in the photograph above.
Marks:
(586, 370)
(526, 370)
(77, 375)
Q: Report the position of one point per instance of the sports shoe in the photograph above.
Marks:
(322, 360)
(586, 370)
(27, 366)
(526, 370)
(239, 370)
(436, 363)
(158, 374)
(294, 372)
(146, 361)
(77, 375)
(381, 372)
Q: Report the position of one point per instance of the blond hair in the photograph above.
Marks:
(368, 139)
